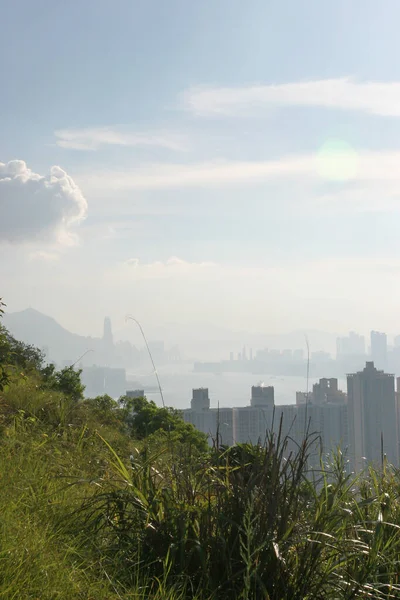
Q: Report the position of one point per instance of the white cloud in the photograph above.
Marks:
(372, 97)
(173, 267)
(94, 138)
(167, 176)
(41, 207)
(365, 170)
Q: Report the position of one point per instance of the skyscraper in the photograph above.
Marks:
(200, 399)
(108, 342)
(372, 417)
(379, 349)
(107, 332)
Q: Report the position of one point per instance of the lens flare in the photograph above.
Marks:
(337, 161)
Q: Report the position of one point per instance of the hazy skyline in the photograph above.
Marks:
(228, 163)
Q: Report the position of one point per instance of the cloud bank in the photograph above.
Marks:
(371, 97)
(38, 207)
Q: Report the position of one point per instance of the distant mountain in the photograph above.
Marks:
(33, 327)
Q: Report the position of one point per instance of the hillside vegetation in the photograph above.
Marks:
(107, 500)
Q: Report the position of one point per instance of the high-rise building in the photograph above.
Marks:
(302, 398)
(216, 423)
(262, 396)
(252, 423)
(327, 391)
(372, 417)
(200, 399)
(379, 349)
(103, 380)
(108, 343)
(326, 422)
(107, 332)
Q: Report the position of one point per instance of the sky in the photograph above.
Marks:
(221, 162)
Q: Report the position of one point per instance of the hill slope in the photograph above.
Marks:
(33, 327)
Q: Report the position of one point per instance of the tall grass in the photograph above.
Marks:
(52, 454)
(250, 522)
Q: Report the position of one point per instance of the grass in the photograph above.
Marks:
(88, 512)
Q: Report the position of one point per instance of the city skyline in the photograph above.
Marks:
(352, 344)
(364, 422)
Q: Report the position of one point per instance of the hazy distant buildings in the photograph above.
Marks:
(135, 393)
(126, 355)
(298, 355)
(350, 353)
(379, 349)
(351, 345)
(107, 343)
(157, 350)
(372, 417)
(103, 380)
(320, 356)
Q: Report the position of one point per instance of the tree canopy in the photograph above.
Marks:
(147, 419)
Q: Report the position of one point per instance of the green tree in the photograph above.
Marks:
(103, 403)
(16, 356)
(146, 419)
(67, 381)
(4, 354)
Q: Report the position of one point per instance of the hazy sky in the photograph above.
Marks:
(220, 161)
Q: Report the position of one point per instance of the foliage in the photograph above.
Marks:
(67, 381)
(147, 419)
(4, 353)
(16, 357)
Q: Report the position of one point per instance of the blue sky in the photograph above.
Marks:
(247, 151)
